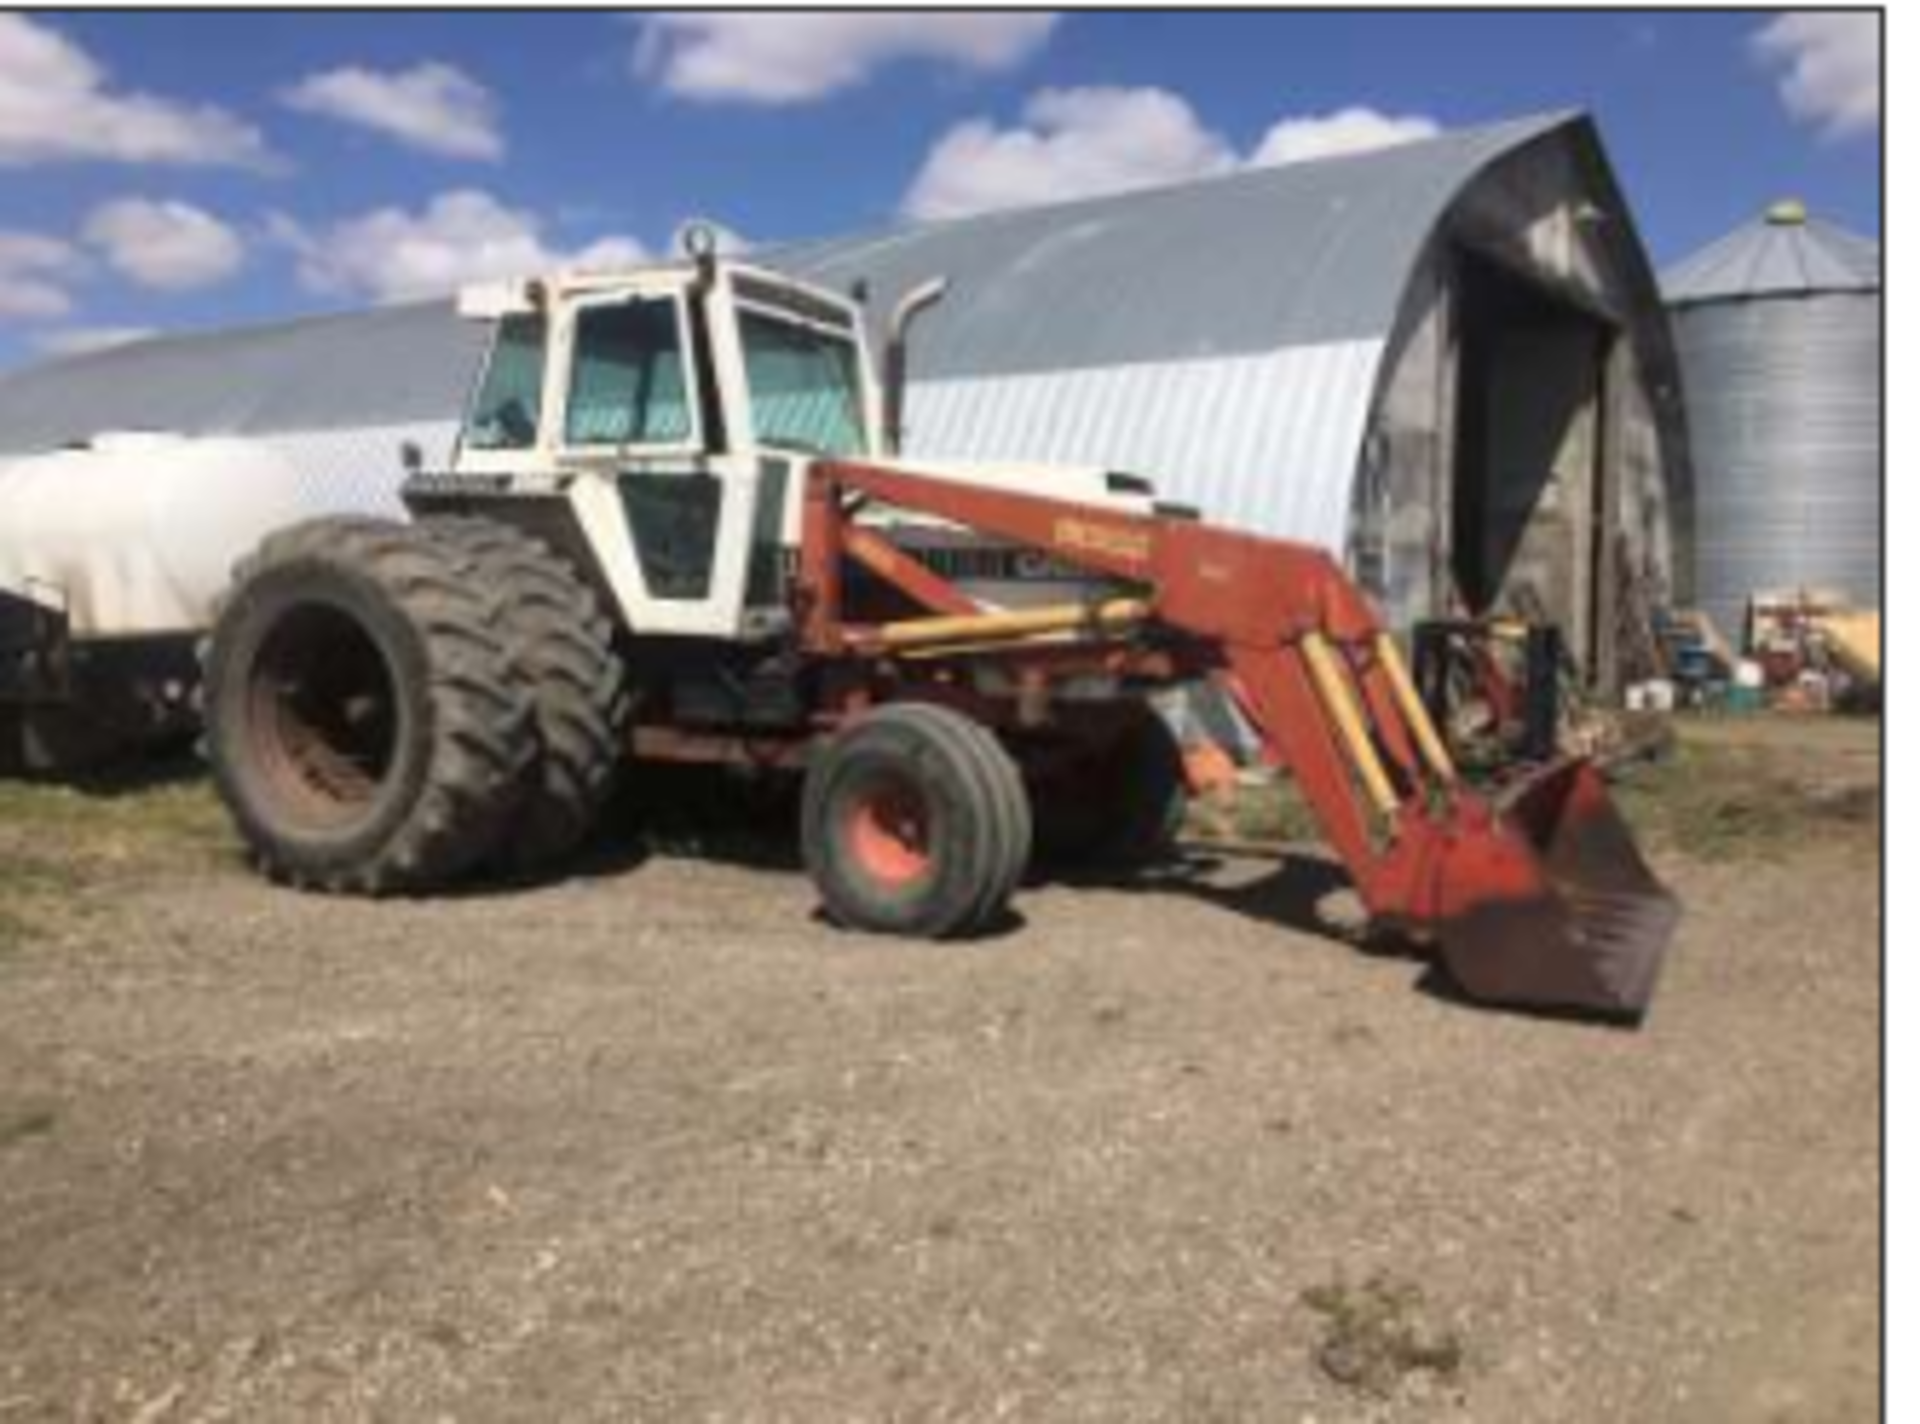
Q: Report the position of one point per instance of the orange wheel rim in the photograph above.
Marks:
(889, 833)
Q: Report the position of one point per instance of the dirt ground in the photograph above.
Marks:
(657, 1144)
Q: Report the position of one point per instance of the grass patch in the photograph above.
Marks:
(1268, 813)
(63, 849)
(30, 887)
(172, 813)
(1373, 1335)
(1730, 802)
(1765, 794)
(13, 930)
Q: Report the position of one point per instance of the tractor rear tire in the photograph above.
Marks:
(364, 725)
(561, 646)
(915, 823)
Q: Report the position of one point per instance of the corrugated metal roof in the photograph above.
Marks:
(386, 366)
(1306, 255)
(1784, 252)
(1300, 255)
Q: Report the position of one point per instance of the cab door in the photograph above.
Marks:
(670, 519)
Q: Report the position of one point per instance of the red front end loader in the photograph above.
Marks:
(1540, 900)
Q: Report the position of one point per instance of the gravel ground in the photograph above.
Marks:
(657, 1144)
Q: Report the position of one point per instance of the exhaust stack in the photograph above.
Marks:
(909, 309)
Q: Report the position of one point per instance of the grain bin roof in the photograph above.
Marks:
(1784, 252)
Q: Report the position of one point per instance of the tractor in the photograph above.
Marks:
(677, 527)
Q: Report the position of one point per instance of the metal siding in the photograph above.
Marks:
(359, 470)
(1264, 443)
(1784, 406)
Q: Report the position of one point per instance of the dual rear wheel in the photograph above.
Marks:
(392, 708)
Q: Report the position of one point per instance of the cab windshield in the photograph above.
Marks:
(805, 385)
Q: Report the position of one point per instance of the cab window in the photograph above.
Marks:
(506, 409)
(805, 387)
(629, 384)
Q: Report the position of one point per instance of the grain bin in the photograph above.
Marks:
(1778, 328)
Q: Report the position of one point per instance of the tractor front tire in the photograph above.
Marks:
(915, 823)
(364, 725)
(561, 647)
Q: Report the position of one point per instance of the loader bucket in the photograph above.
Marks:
(1552, 906)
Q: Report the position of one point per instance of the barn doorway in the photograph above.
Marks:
(1530, 490)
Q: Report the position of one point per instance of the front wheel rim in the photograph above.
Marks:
(888, 830)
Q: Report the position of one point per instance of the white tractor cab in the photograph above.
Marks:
(657, 424)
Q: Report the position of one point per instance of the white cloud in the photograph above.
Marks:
(791, 57)
(605, 254)
(434, 108)
(1830, 62)
(1081, 143)
(1351, 130)
(467, 235)
(169, 246)
(1075, 143)
(34, 272)
(57, 105)
(84, 340)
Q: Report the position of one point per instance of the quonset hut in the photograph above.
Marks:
(1447, 360)
(1778, 325)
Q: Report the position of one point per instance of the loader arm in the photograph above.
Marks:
(1540, 900)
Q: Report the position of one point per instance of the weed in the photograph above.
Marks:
(1269, 813)
(1372, 1335)
(18, 1127)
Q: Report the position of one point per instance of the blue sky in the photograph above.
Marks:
(170, 171)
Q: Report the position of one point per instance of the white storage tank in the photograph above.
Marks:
(112, 556)
(1778, 328)
(135, 536)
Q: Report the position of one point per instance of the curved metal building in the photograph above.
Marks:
(1778, 328)
(1448, 361)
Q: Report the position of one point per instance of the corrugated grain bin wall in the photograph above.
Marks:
(1778, 328)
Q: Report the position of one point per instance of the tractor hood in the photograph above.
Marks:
(1077, 484)
(998, 574)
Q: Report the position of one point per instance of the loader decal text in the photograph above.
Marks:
(1109, 540)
